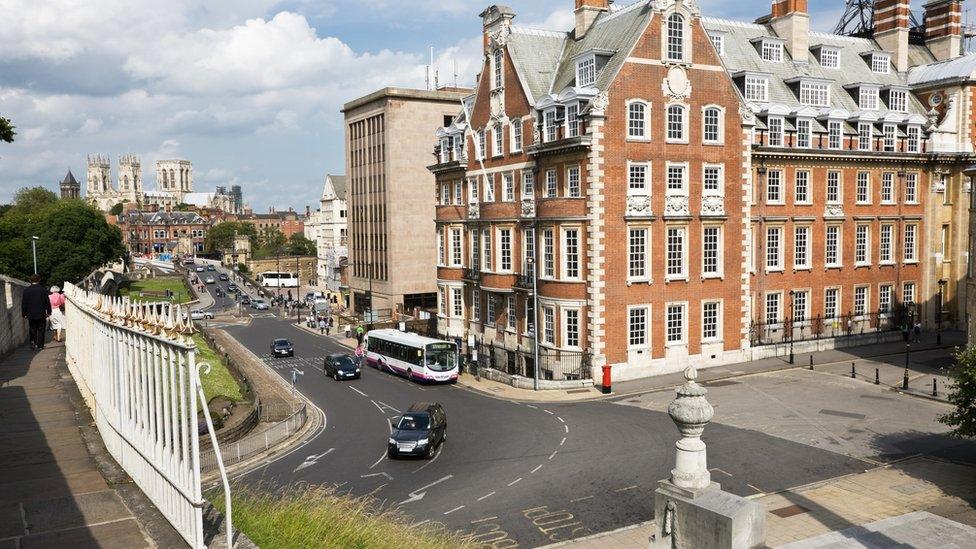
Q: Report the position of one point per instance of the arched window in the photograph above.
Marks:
(637, 120)
(677, 122)
(172, 177)
(712, 125)
(676, 37)
(125, 182)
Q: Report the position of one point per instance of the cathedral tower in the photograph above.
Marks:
(130, 178)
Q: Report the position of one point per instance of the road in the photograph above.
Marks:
(510, 474)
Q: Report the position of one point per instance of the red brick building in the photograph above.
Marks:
(687, 190)
(163, 232)
(289, 223)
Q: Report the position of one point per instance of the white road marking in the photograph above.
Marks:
(625, 489)
(431, 460)
(560, 419)
(754, 488)
(388, 407)
(537, 467)
(563, 441)
(458, 508)
(383, 474)
(418, 494)
(358, 391)
(378, 407)
(488, 495)
(580, 499)
(531, 406)
(567, 428)
(515, 481)
(312, 460)
(553, 454)
(382, 457)
(486, 519)
(548, 412)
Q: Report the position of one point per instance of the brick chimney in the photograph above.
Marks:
(496, 20)
(586, 13)
(791, 22)
(943, 28)
(891, 23)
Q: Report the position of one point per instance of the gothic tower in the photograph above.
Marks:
(130, 178)
(99, 176)
(175, 177)
(70, 188)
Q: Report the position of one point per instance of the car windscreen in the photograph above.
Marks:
(414, 422)
(282, 343)
(345, 363)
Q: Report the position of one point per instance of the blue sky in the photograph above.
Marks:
(249, 90)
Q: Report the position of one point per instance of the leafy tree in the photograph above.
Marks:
(183, 207)
(34, 198)
(963, 395)
(272, 240)
(221, 235)
(7, 132)
(117, 209)
(73, 240)
(299, 245)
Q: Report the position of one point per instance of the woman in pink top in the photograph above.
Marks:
(57, 314)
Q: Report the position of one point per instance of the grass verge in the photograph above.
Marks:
(218, 382)
(135, 288)
(300, 515)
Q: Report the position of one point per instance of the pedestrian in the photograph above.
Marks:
(35, 306)
(348, 331)
(321, 326)
(57, 312)
(359, 355)
(359, 334)
(918, 331)
(328, 326)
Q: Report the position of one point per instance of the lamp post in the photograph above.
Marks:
(908, 344)
(535, 319)
(938, 319)
(792, 320)
(34, 240)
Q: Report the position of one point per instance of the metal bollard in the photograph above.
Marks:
(877, 377)
(853, 372)
(935, 387)
(811, 362)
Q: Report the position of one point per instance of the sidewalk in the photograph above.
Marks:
(944, 489)
(58, 485)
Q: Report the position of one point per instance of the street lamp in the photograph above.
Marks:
(34, 240)
(792, 320)
(938, 319)
(908, 344)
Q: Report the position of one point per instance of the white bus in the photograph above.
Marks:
(272, 279)
(414, 356)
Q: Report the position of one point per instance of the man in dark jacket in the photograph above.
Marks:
(35, 306)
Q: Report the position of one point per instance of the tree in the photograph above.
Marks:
(963, 395)
(7, 132)
(34, 198)
(272, 240)
(117, 209)
(221, 235)
(299, 245)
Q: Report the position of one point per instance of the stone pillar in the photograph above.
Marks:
(689, 509)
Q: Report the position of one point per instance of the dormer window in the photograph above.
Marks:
(880, 63)
(814, 93)
(757, 88)
(718, 40)
(829, 57)
(771, 50)
(898, 100)
(586, 71)
(867, 98)
(676, 37)
(775, 126)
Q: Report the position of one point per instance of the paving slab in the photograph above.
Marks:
(74, 511)
(919, 530)
(123, 534)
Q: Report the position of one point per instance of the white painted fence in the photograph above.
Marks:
(134, 363)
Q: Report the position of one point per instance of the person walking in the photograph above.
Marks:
(359, 355)
(57, 312)
(35, 306)
(359, 334)
(321, 326)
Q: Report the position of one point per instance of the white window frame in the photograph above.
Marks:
(718, 252)
(861, 304)
(862, 245)
(486, 257)
(511, 313)
(886, 293)
(528, 184)
(457, 302)
(644, 188)
(719, 138)
(548, 325)
(898, 100)
(838, 190)
(913, 143)
(457, 248)
(719, 321)
(777, 317)
(505, 252)
(498, 140)
(441, 247)
(771, 51)
(806, 176)
(548, 270)
(670, 137)
(572, 120)
(868, 98)
(802, 251)
(804, 133)
(643, 263)
(683, 328)
(911, 188)
(773, 262)
(862, 188)
(508, 187)
(888, 188)
(779, 132)
(574, 190)
(565, 267)
(683, 166)
(720, 179)
(643, 124)
(886, 244)
(836, 293)
(889, 133)
(780, 190)
(835, 134)
(865, 136)
(838, 246)
(908, 292)
(682, 272)
(641, 321)
(756, 88)
(910, 243)
(564, 316)
(549, 127)
(718, 41)
(676, 43)
(516, 129)
(832, 58)
(551, 189)
(498, 69)
(814, 93)
(489, 187)
(586, 71)
(481, 144)
(880, 63)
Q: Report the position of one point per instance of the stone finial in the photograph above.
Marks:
(690, 412)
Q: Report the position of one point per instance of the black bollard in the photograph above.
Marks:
(935, 387)
(877, 377)
(853, 372)
(811, 362)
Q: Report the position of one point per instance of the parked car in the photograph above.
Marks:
(340, 366)
(282, 347)
(222, 277)
(245, 299)
(211, 268)
(200, 315)
(419, 431)
(200, 269)
(210, 280)
(259, 304)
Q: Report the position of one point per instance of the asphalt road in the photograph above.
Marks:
(510, 474)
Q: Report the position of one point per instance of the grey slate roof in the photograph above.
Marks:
(960, 68)
(69, 179)
(339, 185)
(164, 218)
(535, 53)
(743, 55)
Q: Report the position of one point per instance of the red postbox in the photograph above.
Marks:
(606, 379)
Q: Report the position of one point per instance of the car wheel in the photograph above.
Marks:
(391, 454)
(430, 451)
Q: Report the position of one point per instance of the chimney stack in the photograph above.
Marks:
(891, 24)
(791, 22)
(586, 13)
(943, 28)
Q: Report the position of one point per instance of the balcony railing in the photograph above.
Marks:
(471, 274)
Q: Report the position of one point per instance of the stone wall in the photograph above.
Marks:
(13, 327)
(308, 267)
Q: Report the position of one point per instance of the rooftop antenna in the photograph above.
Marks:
(455, 73)
(432, 70)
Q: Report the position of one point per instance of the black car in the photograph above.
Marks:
(222, 277)
(282, 347)
(340, 366)
(419, 431)
(245, 299)
(232, 287)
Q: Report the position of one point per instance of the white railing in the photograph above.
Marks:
(134, 364)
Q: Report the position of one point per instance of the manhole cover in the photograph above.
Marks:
(792, 510)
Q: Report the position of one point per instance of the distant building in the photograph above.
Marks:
(288, 223)
(163, 232)
(391, 207)
(327, 227)
(70, 188)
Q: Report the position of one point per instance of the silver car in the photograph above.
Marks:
(201, 315)
(259, 304)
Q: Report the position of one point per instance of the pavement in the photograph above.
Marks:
(936, 498)
(58, 486)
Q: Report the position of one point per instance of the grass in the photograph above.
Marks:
(181, 294)
(218, 382)
(300, 515)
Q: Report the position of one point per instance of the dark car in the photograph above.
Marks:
(222, 277)
(211, 268)
(245, 299)
(232, 287)
(340, 366)
(282, 347)
(419, 431)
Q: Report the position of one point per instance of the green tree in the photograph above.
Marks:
(34, 198)
(963, 395)
(117, 209)
(272, 240)
(299, 245)
(7, 132)
(73, 240)
(221, 235)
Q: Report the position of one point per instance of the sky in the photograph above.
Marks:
(248, 90)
